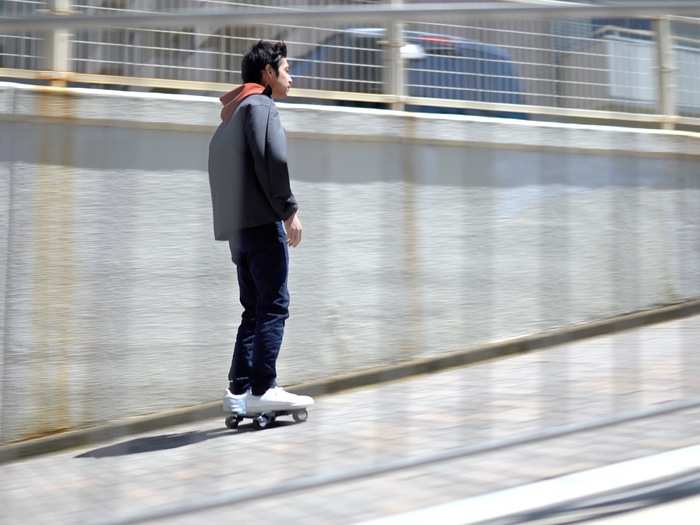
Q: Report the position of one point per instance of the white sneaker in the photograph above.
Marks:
(277, 398)
(236, 404)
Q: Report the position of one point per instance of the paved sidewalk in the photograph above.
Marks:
(415, 417)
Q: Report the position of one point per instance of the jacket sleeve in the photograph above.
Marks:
(268, 145)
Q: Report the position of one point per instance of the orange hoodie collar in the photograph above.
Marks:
(233, 98)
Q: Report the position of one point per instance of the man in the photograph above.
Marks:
(256, 212)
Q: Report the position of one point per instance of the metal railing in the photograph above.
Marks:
(587, 67)
(21, 51)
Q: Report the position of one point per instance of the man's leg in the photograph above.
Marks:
(269, 264)
(242, 362)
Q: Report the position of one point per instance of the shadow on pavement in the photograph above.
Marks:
(167, 441)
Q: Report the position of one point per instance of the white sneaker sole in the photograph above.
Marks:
(274, 406)
(234, 407)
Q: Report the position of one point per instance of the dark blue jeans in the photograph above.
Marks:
(262, 261)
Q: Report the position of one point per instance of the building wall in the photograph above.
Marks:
(422, 235)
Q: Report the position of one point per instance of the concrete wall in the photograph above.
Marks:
(422, 235)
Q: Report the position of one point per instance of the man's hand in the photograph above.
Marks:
(293, 228)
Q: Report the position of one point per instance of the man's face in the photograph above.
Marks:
(280, 83)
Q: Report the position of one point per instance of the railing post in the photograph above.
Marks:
(56, 45)
(667, 83)
(394, 81)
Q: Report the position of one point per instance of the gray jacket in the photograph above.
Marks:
(248, 174)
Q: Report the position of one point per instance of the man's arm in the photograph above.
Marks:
(268, 145)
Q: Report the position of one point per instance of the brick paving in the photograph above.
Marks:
(371, 426)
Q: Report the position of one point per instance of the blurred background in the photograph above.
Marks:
(485, 181)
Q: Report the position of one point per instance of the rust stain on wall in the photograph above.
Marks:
(412, 344)
(53, 271)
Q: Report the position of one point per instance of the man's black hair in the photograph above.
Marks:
(259, 56)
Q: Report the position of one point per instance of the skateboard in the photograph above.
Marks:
(263, 420)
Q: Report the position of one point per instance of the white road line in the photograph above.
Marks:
(551, 492)
(682, 512)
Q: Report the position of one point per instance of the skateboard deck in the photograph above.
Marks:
(263, 420)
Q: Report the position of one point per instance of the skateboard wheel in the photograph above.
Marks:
(232, 422)
(262, 421)
(300, 415)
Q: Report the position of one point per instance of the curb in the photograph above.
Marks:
(135, 425)
(499, 349)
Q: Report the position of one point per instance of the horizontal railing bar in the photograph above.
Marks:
(194, 85)
(352, 14)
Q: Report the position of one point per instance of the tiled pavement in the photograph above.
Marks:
(415, 417)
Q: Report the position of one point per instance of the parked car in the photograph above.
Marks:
(437, 66)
